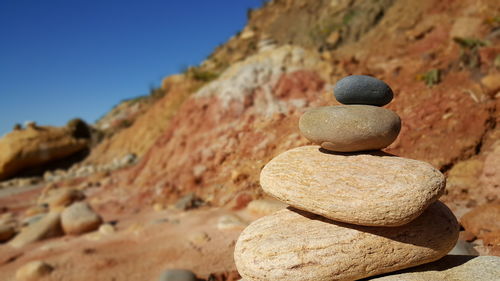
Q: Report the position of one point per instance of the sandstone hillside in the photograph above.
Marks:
(441, 59)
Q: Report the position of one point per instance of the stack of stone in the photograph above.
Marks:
(355, 211)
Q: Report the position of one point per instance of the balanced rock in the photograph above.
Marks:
(364, 189)
(362, 89)
(79, 218)
(294, 245)
(348, 128)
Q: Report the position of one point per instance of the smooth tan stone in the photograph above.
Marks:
(48, 226)
(262, 207)
(33, 271)
(60, 198)
(230, 221)
(294, 245)
(79, 218)
(365, 189)
(348, 128)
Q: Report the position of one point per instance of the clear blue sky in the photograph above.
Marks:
(61, 59)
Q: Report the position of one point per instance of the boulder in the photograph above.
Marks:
(295, 245)
(46, 227)
(79, 218)
(35, 146)
(365, 189)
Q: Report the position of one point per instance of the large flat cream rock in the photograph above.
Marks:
(363, 189)
(294, 245)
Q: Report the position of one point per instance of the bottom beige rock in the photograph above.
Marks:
(294, 245)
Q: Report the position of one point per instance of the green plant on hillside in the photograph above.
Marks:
(496, 62)
(156, 93)
(200, 75)
(431, 77)
(469, 55)
(125, 123)
(469, 43)
(135, 100)
(320, 32)
(348, 17)
(493, 21)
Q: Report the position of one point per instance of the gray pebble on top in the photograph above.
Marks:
(362, 89)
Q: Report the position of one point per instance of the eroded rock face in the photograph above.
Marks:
(215, 132)
(363, 189)
(350, 128)
(294, 245)
(33, 146)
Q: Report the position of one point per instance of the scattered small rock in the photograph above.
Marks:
(189, 201)
(6, 232)
(296, 245)
(106, 229)
(32, 219)
(263, 207)
(36, 210)
(158, 207)
(33, 271)
(60, 198)
(79, 218)
(230, 222)
(177, 275)
(491, 83)
(48, 226)
(199, 238)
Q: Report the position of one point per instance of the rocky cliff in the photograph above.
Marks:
(441, 59)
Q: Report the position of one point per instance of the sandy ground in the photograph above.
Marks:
(144, 244)
(8, 191)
